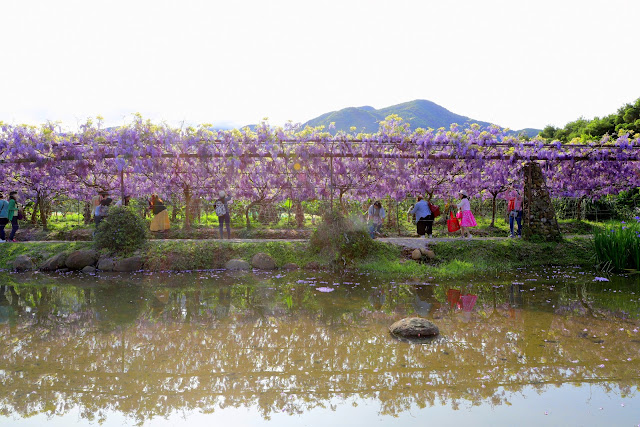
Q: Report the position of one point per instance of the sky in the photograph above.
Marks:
(231, 63)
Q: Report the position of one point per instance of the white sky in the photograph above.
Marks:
(517, 63)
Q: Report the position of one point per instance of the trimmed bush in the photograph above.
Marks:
(123, 231)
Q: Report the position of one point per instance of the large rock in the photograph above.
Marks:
(55, 262)
(77, 260)
(237, 264)
(263, 261)
(89, 269)
(127, 265)
(106, 264)
(416, 254)
(291, 266)
(23, 263)
(414, 327)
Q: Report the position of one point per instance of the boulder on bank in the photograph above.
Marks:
(128, 265)
(291, 266)
(414, 327)
(263, 261)
(89, 269)
(23, 263)
(237, 264)
(106, 264)
(313, 265)
(416, 254)
(54, 263)
(77, 260)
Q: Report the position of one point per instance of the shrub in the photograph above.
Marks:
(341, 239)
(123, 231)
(619, 245)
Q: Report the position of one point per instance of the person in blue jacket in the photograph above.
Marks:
(424, 217)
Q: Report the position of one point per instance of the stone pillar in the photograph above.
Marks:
(538, 217)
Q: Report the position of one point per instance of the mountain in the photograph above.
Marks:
(419, 113)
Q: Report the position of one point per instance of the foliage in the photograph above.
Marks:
(618, 245)
(341, 239)
(626, 120)
(123, 231)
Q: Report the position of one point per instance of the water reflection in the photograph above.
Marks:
(149, 345)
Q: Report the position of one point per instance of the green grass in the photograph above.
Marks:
(458, 259)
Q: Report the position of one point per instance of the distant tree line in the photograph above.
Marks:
(627, 119)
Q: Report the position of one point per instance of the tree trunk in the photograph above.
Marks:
(299, 214)
(43, 213)
(187, 209)
(493, 209)
(34, 218)
(246, 213)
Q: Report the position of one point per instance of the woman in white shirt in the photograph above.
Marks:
(467, 220)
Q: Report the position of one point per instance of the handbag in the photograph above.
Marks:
(435, 210)
(452, 223)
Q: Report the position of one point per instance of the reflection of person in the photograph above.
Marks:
(375, 218)
(425, 302)
(222, 210)
(160, 221)
(515, 213)
(467, 220)
(377, 298)
(424, 217)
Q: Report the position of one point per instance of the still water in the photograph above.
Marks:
(541, 347)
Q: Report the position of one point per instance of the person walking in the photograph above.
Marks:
(222, 210)
(96, 202)
(515, 212)
(13, 215)
(424, 218)
(160, 221)
(375, 218)
(467, 219)
(4, 217)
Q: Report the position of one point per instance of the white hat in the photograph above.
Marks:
(464, 193)
(221, 193)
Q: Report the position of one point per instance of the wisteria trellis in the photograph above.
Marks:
(279, 163)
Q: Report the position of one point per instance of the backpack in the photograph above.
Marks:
(220, 209)
(435, 210)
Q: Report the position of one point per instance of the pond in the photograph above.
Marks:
(547, 346)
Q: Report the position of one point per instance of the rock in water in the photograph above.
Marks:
(263, 261)
(237, 264)
(77, 260)
(414, 327)
(23, 263)
(55, 262)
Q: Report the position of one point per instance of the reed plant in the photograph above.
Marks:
(618, 244)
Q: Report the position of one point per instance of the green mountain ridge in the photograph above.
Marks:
(420, 113)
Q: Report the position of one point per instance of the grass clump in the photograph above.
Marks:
(123, 231)
(341, 239)
(618, 245)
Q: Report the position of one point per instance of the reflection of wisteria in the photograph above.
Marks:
(148, 350)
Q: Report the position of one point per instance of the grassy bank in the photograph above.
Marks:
(459, 258)
(453, 259)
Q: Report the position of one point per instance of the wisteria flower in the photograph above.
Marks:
(325, 289)
(600, 279)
